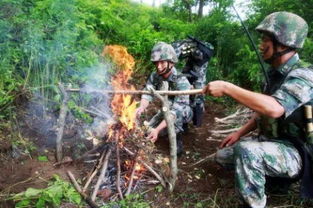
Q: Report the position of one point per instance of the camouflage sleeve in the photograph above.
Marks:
(295, 91)
(151, 82)
(180, 101)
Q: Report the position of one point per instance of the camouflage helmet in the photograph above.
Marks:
(287, 28)
(163, 52)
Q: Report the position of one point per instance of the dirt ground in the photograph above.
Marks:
(202, 185)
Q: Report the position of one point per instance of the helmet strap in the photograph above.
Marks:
(277, 54)
(168, 69)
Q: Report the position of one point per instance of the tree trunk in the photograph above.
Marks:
(201, 5)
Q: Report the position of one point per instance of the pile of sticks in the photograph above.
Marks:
(231, 123)
(125, 181)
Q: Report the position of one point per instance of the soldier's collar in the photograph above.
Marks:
(285, 68)
(173, 75)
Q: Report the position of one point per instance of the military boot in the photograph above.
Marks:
(179, 142)
(197, 115)
(244, 205)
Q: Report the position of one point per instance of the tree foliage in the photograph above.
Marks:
(43, 42)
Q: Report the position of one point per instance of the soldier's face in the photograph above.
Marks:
(162, 67)
(266, 47)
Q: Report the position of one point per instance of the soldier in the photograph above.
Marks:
(278, 150)
(197, 55)
(163, 56)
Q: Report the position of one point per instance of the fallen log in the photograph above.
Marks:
(138, 92)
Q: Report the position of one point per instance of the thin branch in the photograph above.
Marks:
(210, 157)
(102, 174)
(94, 172)
(79, 190)
(131, 180)
(148, 167)
(226, 131)
(118, 164)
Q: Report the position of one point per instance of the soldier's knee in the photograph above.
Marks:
(241, 149)
(225, 157)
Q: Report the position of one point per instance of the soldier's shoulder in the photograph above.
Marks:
(304, 72)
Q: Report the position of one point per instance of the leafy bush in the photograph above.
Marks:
(56, 192)
(130, 201)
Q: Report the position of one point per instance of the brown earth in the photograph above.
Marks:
(202, 185)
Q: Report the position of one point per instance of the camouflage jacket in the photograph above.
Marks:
(176, 82)
(292, 86)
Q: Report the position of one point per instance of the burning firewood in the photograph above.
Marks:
(118, 177)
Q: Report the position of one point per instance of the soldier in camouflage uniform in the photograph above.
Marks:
(197, 55)
(164, 58)
(277, 151)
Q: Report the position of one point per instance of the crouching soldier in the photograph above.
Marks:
(279, 149)
(164, 58)
(197, 55)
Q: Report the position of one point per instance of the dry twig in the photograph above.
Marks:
(94, 172)
(149, 168)
(102, 174)
(79, 190)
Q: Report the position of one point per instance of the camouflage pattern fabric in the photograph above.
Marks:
(199, 77)
(163, 52)
(271, 153)
(257, 157)
(295, 90)
(179, 105)
(288, 29)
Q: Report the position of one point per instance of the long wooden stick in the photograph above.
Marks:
(171, 135)
(61, 123)
(138, 92)
(210, 157)
(79, 190)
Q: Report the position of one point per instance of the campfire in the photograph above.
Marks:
(124, 160)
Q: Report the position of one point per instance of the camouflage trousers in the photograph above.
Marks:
(181, 117)
(253, 158)
(199, 82)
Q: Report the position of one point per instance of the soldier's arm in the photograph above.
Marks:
(232, 138)
(260, 103)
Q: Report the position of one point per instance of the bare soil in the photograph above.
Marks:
(202, 185)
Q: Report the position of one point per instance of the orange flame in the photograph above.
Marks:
(123, 106)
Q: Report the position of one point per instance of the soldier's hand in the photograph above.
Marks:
(230, 140)
(153, 136)
(215, 88)
(139, 112)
